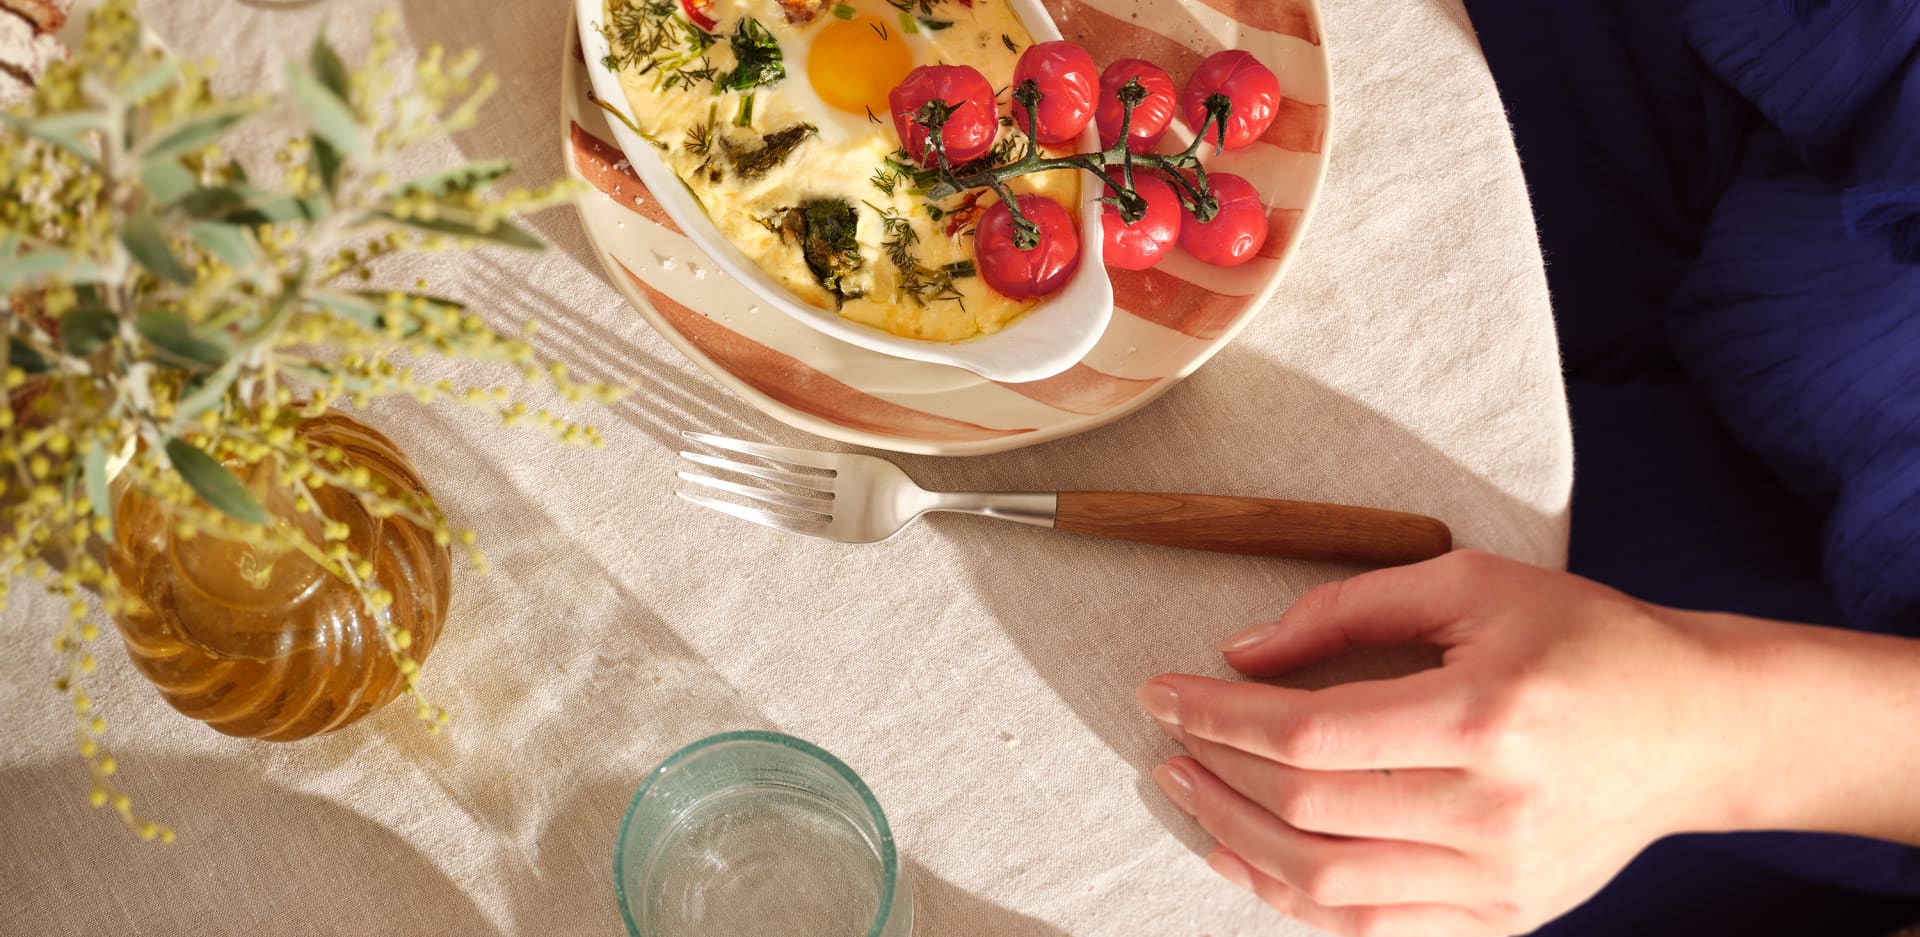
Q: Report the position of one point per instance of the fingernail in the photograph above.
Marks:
(1249, 639)
(1229, 867)
(1175, 784)
(1160, 701)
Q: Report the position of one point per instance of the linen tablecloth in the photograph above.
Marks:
(978, 675)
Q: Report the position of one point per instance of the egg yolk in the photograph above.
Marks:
(854, 63)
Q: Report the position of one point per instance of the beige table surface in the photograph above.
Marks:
(980, 676)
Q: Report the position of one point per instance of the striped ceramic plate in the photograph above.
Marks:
(1168, 320)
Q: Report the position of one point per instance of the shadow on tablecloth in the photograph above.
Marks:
(511, 690)
(311, 865)
(1097, 618)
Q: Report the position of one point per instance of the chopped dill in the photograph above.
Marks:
(1007, 41)
(700, 137)
(919, 282)
(886, 180)
(647, 36)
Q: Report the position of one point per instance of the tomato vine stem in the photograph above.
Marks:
(1195, 194)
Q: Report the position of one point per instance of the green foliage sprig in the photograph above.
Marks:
(172, 313)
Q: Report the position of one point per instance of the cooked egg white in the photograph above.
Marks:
(840, 60)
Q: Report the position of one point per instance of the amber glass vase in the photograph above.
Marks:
(275, 647)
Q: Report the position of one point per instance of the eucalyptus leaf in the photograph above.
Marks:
(155, 79)
(503, 232)
(23, 356)
(205, 391)
(327, 115)
(328, 160)
(332, 74)
(96, 479)
(245, 205)
(147, 242)
(226, 242)
(66, 131)
(85, 329)
(213, 483)
(192, 135)
(328, 68)
(166, 180)
(170, 332)
(18, 271)
(359, 310)
(459, 178)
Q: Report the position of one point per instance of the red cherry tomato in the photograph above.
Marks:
(1236, 233)
(967, 134)
(1068, 82)
(1140, 245)
(1150, 119)
(1251, 86)
(699, 12)
(1037, 271)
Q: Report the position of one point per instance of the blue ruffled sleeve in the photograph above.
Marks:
(1841, 83)
(1800, 318)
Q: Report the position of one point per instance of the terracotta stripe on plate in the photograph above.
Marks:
(1083, 390)
(1281, 224)
(1286, 17)
(607, 169)
(793, 383)
(1185, 307)
(1298, 127)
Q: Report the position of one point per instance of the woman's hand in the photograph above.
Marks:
(1569, 727)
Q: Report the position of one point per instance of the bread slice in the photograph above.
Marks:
(46, 15)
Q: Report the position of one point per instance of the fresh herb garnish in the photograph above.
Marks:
(903, 164)
(919, 282)
(1003, 150)
(636, 31)
(933, 24)
(773, 150)
(909, 6)
(872, 118)
(880, 29)
(648, 37)
(700, 137)
(744, 116)
(1007, 41)
(886, 180)
(843, 12)
(825, 230)
(757, 54)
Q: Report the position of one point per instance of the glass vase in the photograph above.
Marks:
(273, 646)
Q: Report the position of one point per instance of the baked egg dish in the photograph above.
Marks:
(775, 115)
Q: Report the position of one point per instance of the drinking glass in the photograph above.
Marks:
(753, 833)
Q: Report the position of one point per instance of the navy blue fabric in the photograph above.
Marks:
(1728, 195)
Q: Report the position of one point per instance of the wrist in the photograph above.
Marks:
(1723, 749)
(1817, 726)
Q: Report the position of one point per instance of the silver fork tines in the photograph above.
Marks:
(795, 479)
(841, 496)
(816, 505)
(763, 518)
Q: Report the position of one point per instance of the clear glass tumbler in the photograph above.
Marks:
(747, 834)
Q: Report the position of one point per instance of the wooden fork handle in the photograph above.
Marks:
(1301, 530)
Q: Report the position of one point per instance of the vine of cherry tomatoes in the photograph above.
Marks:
(1032, 248)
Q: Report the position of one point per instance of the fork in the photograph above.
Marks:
(862, 499)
